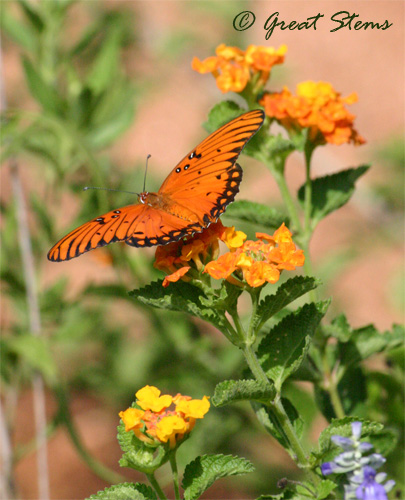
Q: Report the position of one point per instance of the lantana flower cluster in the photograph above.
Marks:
(233, 68)
(251, 262)
(258, 262)
(359, 467)
(317, 106)
(155, 423)
(180, 257)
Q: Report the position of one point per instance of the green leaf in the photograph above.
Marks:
(202, 472)
(32, 14)
(222, 113)
(267, 148)
(179, 296)
(19, 32)
(325, 487)
(231, 391)
(113, 113)
(368, 340)
(256, 213)
(287, 494)
(35, 352)
(331, 192)
(283, 349)
(286, 293)
(125, 491)
(41, 91)
(339, 329)
(137, 455)
(107, 63)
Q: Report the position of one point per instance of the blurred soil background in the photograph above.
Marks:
(357, 251)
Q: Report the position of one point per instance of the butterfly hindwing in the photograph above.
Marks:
(157, 227)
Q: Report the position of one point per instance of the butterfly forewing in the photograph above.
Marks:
(117, 225)
(214, 156)
(194, 194)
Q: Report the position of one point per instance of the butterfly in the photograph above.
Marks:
(194, 195)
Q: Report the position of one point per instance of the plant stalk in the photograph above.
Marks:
(173, 465)
(156, 486)
(35, 328)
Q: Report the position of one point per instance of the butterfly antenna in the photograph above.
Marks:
(146, 170)
(109, 189)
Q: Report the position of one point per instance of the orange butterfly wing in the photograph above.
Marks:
(208, 178)
(194, 194)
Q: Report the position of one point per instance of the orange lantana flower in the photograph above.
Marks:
(183, 259)
(158, 424)
(258, 262)
(233, 68)
(317, 106)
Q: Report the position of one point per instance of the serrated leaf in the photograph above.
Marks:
(270, 149)
(369, 340)
(202, 472)
(339, 328)
(137, 455)
(286, 293)
(282, 351)
(231, 391)
(125, 491)
(41, 91)
(324, 488)
(331, 192)
(287, 494)
(222, 113)
(179, 296)
(256, 213)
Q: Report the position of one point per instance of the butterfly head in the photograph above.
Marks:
(143, 198)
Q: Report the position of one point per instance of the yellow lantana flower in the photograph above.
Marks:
(132, 418)
(149, 398)
(157, 423)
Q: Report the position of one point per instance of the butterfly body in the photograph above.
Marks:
(194, 195)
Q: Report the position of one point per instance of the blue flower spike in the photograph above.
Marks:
(363, 481)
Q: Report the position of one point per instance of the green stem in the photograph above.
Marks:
(173, 465)
(288, 429)
(308, 191)
(254, 365)
(252, 331)
(278, 174)
(332, 390)
(336, 402)
(155, 486)
(280, 414)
